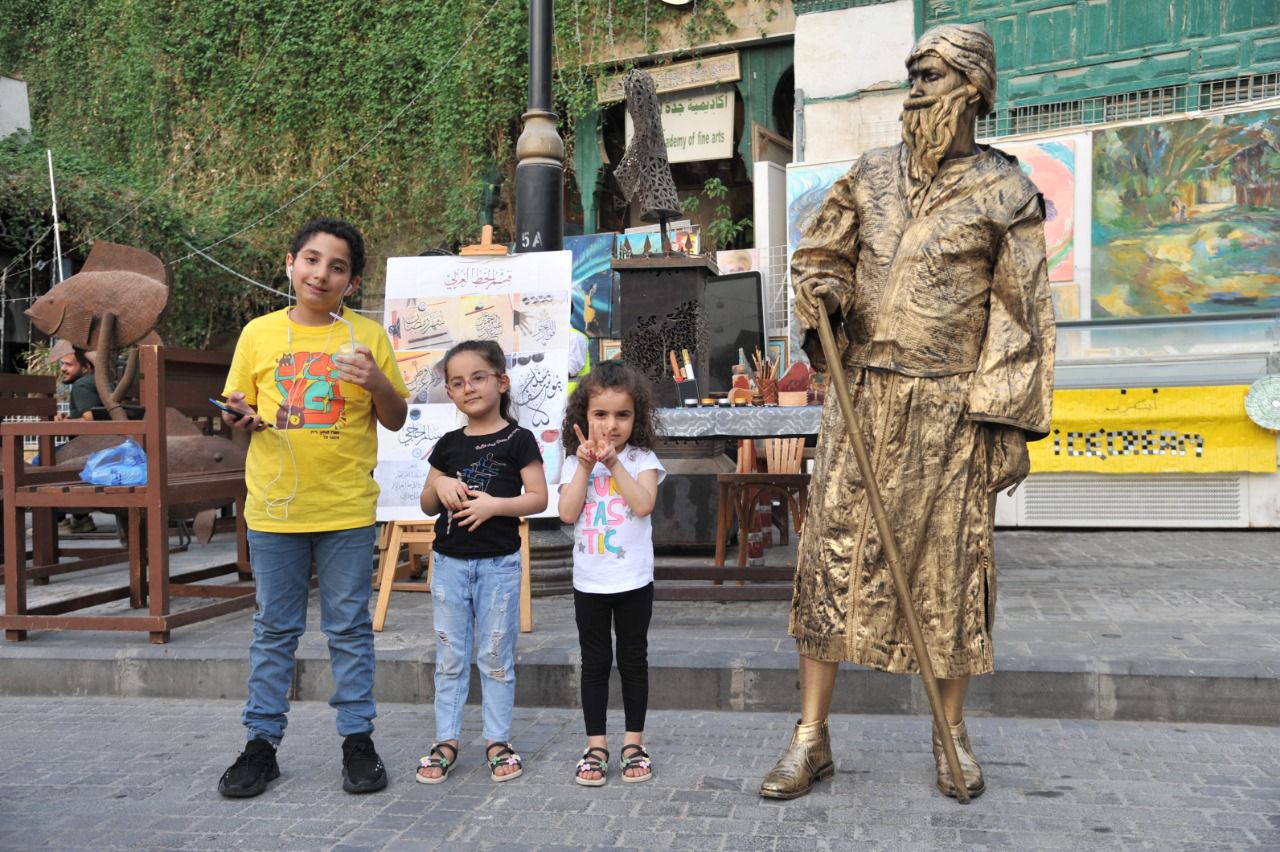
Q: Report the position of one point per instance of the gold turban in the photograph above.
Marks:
(969, 50)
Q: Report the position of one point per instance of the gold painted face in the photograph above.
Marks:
(935, 108)
(930, 76)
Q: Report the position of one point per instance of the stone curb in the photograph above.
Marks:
(1049, 691)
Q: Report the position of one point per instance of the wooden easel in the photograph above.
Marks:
(486, 246)
(397, 533)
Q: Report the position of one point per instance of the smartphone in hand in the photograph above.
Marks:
(234, 412)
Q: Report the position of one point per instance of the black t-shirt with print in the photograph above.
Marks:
(492, 464)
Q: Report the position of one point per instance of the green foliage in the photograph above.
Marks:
(204, 300)
(390, 113)
(722, 231)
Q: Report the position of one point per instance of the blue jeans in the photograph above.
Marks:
(470, 598)
(282, 571)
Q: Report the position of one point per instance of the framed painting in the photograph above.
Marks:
(778, 352)
(610, 349)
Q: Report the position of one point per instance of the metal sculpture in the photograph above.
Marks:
(644, 173)
(114, 301)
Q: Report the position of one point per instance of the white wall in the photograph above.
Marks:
(769, 182)
(850, 66)
(15, 110)
(851, 50)
(841, 130)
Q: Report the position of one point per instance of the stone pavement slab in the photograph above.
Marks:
(1164, 625)
(135, 774)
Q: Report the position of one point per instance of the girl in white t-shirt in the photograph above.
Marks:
(607, 491)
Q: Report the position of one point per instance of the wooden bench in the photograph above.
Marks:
(173, 378)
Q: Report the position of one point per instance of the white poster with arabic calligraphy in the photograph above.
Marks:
(697, 124)
(432, 303)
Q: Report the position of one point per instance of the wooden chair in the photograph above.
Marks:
(33, 397)
(174, 378)
(25, 398)
(741, 491)
(422, 534)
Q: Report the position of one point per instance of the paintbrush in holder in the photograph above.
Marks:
(766, 379)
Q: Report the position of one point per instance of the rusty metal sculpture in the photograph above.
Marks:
(114, 301)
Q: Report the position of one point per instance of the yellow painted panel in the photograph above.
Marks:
(1154, 430)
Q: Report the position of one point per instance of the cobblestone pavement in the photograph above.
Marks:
(90, 773)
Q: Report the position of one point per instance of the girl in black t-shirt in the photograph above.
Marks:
(477, 473)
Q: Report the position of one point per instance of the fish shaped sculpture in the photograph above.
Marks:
(128, 282)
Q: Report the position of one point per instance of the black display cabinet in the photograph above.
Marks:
(681, 303)
(675, 304)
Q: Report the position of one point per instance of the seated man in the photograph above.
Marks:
(76, 370)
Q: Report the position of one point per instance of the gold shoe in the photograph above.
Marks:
(806, 761)
(969, 767)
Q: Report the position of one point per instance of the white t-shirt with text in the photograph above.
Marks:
(612, 548)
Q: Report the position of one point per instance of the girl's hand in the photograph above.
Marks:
(586, 450)
(452, 493)
(604, 451)
(359, 368)
(479, 508)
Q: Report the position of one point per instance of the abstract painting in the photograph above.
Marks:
(1051, 165)
(807, 187)
(592, 311)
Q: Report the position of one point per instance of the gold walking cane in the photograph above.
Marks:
(836, 371)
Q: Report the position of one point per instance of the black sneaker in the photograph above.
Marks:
(253, 770)
(362, 769)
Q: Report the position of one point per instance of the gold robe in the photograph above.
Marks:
(947, 336)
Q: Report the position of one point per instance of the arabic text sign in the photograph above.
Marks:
(1153, 430)
(697, 125)
(432, 303)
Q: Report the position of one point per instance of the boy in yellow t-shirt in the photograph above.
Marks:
(309, 386)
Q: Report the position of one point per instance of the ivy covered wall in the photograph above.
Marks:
(211, 115)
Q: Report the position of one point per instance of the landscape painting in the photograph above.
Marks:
(1186, 217)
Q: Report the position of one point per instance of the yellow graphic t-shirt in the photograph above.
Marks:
(312, 472)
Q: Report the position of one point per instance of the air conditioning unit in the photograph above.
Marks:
(1143, 501)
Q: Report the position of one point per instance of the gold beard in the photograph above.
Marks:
(929, 126)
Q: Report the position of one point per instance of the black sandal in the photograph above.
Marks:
(442, 762)
(591, 762)
(504, 756)
(638, 759)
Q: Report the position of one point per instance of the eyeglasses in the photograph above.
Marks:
(477, 380)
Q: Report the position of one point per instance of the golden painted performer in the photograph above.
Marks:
(929, 259)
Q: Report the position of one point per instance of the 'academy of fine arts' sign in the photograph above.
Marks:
(697, 125)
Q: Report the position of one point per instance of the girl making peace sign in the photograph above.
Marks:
(607, 491)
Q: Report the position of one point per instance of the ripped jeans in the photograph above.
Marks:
(475, 603)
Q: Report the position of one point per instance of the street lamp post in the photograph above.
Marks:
(539, 150)
(540, 227)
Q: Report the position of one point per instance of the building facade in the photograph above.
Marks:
(1153, 129)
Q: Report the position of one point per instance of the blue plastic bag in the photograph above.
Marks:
(125, 464)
